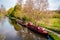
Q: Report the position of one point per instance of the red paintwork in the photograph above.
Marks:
(37, 28)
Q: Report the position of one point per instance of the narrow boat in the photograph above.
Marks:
(37, 29)
(34, 28)
(21, 22)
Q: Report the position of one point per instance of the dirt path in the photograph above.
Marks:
(53, 32)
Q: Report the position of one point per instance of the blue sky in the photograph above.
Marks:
(8, 3)
(53, 4)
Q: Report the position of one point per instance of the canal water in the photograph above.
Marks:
(13, 31)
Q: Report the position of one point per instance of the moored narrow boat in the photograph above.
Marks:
(34, 28)
(37, 29)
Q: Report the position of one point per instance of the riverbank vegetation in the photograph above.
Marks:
(17, 27)
(54, 36)
(50, 20)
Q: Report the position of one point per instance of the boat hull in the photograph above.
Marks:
(36, 31)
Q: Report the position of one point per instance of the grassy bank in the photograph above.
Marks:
(51, 24)
(54, 36)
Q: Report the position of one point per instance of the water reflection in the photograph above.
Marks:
(7, 31)
(26, 34)
(13, 31)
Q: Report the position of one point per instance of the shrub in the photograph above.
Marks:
(56, 16)
(24, 18)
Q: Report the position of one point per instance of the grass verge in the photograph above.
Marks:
(54, 36)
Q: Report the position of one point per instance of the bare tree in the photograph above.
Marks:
(29, 6)
(41, 4)
(2, 9)
(35, 4)
(19, 2)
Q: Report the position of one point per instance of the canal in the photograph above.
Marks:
(13, 31)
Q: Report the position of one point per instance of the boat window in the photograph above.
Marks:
(38, 27)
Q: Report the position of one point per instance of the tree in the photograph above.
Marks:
(20, 2)
(2, 9)
(10, 11)
(41, 4)
(29, 6)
